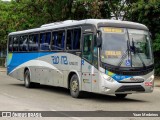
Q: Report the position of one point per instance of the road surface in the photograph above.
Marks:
(15, 97)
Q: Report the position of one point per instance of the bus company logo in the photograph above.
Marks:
(55, 59)
(137, 79)
(60, 60)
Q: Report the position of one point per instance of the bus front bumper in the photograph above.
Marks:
(114, 87)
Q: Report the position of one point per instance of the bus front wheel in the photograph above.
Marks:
(27, 82)
(74, 87)
(121, 96)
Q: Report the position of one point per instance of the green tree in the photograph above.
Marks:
(26, 14)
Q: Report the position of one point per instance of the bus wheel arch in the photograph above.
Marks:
(74, 85)
(27, 78)
(69, 78)
(25, 69)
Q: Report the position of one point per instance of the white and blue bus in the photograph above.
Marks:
(99, 56)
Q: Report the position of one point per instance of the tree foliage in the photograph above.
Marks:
(25, 14)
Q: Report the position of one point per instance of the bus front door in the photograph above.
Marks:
(87, 62)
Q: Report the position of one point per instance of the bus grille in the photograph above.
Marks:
(125, 88)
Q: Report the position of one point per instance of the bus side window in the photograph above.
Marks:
(15, 43)
(33, 42)
(45, 39)
(10, 45)
(23, 43)
(69, 42)
(58, 40)
(76, 41)
(87, 47)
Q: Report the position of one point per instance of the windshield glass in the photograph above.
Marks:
(114, 46)
(140, 48)
(126, 47)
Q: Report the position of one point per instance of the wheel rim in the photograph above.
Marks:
(74, 85)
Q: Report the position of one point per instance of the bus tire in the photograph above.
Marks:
(121, 96)
(74, 87)
(27, 82)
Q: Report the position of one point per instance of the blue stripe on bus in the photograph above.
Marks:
(116, 76)
(20, 58)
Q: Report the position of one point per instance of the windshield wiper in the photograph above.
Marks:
(134, 50)
(124, 55)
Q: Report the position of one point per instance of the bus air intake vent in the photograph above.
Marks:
(126, 88)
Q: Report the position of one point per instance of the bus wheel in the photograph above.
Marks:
(27, 82)
(74, 87)
(121, 96)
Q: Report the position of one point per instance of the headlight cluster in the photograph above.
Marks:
(151, 78)
(108, 78)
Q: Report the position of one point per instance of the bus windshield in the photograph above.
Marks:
(126, 47)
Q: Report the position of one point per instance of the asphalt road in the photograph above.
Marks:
(15, 97)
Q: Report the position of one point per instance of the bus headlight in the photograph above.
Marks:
(108, 78)
(151, 78)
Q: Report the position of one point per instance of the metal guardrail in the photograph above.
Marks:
(2, 62)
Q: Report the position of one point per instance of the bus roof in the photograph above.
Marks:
(68, 23)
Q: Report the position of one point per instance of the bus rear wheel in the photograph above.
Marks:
(27, 82)
(74, 87)
(121, 96)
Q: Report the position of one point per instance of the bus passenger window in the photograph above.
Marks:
(33, 42)
(45, 39)
(76, 40)
(58, 40)
(69, 44)
(87, 52)
(23, 43)
(15, 43)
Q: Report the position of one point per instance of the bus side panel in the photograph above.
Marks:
(90, 78)
(17, 62)
(32, 71)
(65, 78)
(44, 67)
(20, 73)
(95, 80)
(60, 64)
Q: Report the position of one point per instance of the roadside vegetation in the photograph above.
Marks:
(25, 14)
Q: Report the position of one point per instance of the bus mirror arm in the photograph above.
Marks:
(99, 38)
